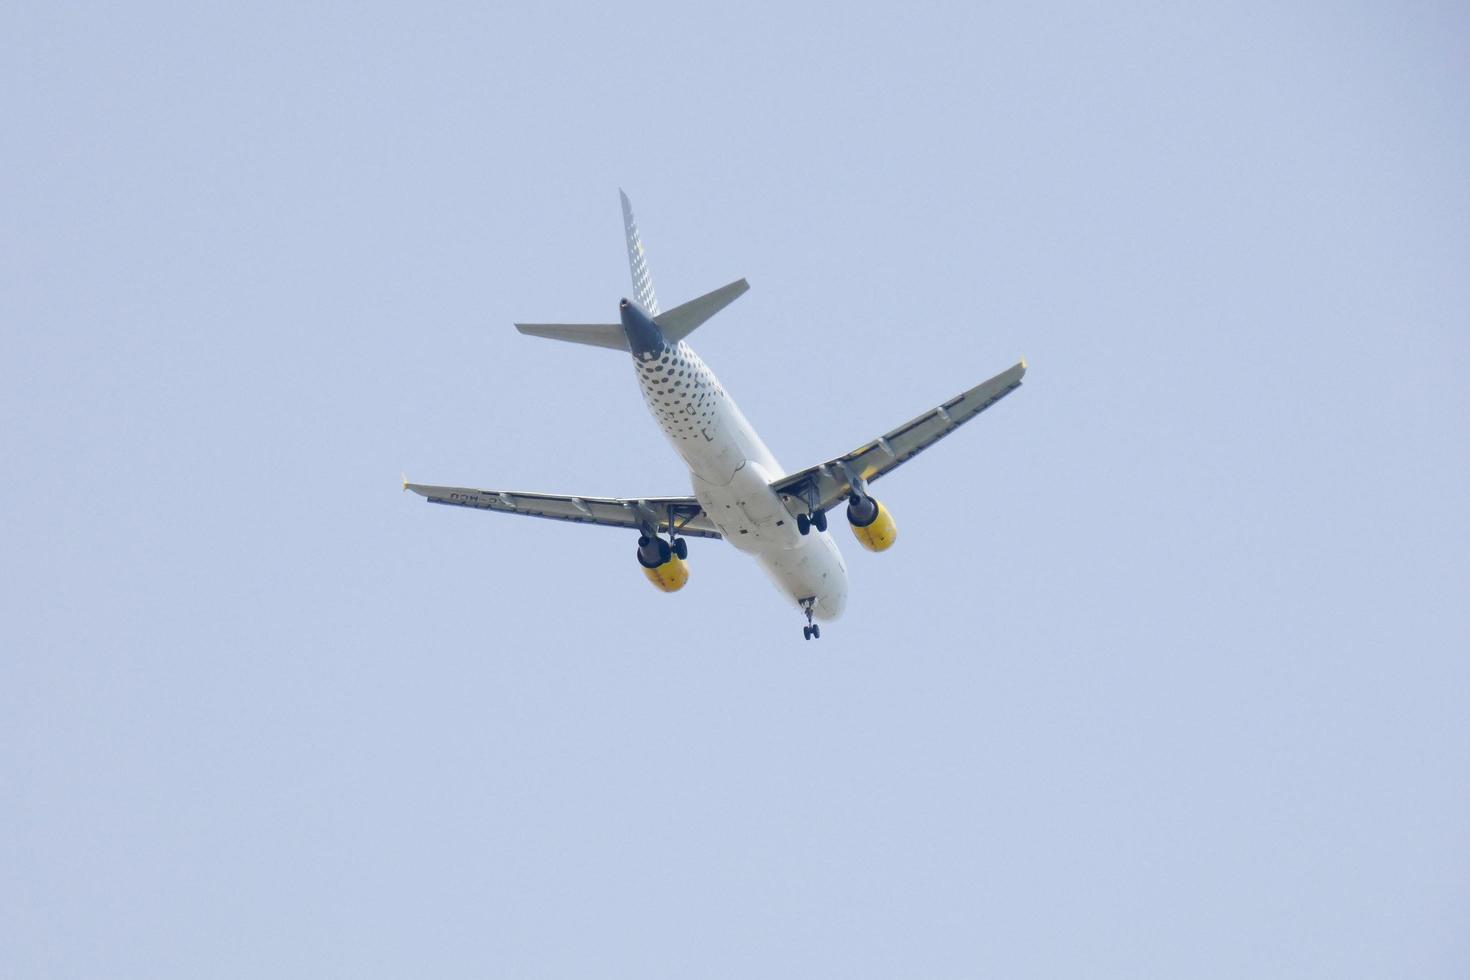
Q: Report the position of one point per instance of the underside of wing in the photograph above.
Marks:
(658, 514)
(824, 485)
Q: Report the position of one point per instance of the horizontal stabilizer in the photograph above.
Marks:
(609, 335)
(678, 323)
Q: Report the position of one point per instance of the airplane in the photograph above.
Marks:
(741, 493)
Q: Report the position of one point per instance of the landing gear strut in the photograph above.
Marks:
(811, 630)
(681, 548)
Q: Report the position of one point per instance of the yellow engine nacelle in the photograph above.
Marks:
(671, 576)
(878, 532)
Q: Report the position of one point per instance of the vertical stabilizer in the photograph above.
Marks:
(637, 262)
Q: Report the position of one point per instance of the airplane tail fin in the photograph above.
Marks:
(673, 326)
(679, 322)
(637, 261)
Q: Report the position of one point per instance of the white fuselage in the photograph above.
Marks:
(732, 470)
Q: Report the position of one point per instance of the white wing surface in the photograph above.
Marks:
(826, 484)
(642, 513)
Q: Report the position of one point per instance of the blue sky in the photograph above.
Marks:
(1166, 676)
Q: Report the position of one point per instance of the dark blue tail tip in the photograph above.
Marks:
(645, 339)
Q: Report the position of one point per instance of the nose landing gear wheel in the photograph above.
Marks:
(811, 630)
(803, 524)
(819, 520)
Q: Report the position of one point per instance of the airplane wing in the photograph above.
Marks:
(827, 483)
(686, 513)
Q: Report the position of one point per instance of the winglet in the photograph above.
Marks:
(405, 480)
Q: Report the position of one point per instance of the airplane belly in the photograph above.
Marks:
(815, 570)
(747, 511)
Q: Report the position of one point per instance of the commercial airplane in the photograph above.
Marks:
(741, 493)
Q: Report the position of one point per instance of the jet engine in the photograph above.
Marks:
(871, 523)
(664, 565)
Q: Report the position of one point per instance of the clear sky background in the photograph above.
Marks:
(1166, 676)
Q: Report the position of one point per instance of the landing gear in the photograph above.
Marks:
(681, 548)
(811, 630)
(814, 517)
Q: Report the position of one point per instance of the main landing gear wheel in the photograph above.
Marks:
(681, 548)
